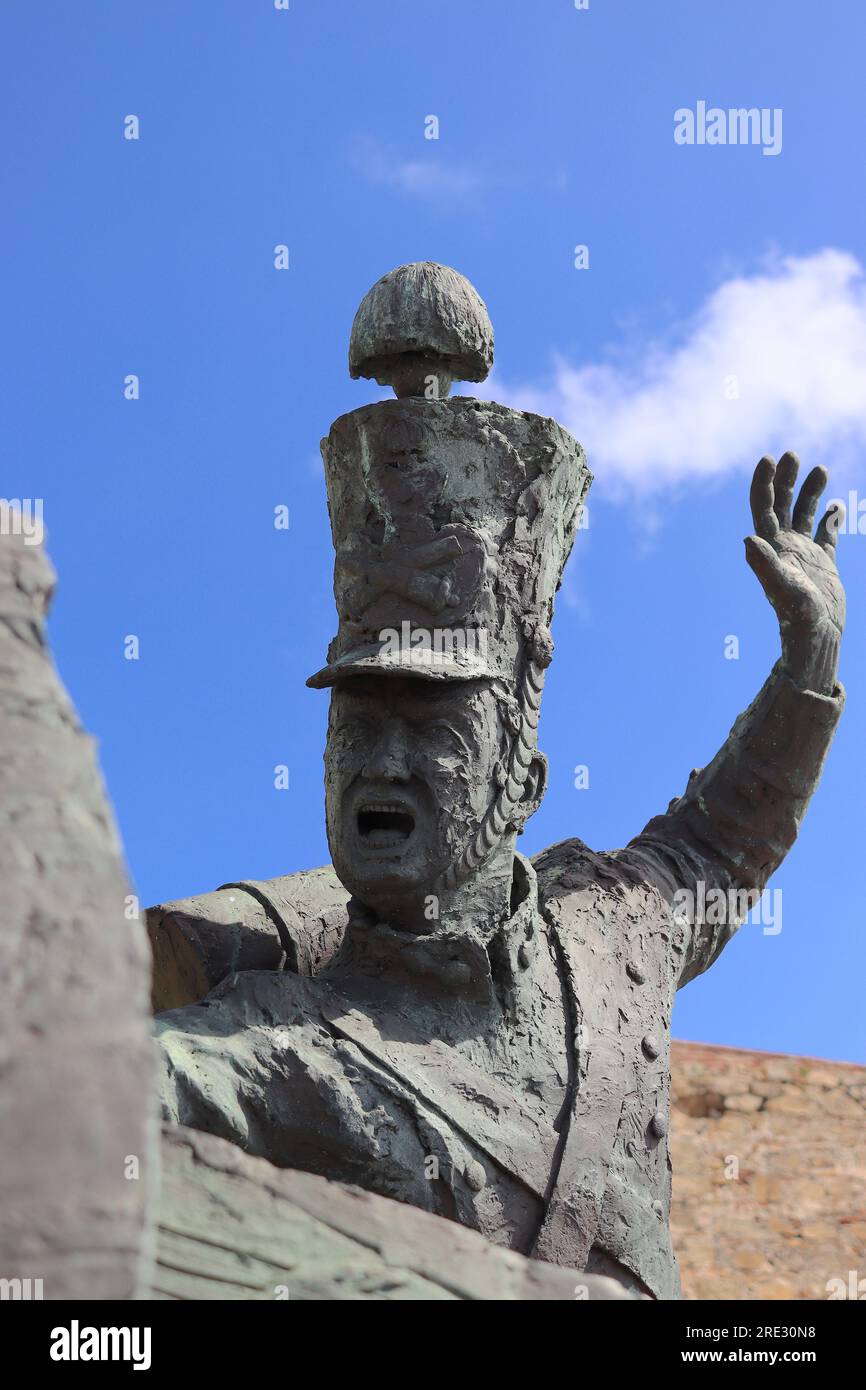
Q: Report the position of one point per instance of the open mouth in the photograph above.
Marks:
(384, 825)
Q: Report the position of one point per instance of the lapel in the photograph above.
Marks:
(487, 1113)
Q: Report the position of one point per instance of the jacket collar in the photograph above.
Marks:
(460, 962)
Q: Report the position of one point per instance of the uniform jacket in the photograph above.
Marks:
(561, 1153)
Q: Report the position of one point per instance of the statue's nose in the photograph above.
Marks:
(390, 760)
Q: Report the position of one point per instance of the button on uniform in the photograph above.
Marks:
(659, 1125)
(475, 1176)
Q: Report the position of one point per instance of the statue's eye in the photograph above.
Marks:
(439, 738)
(351, 726)
(437, 726)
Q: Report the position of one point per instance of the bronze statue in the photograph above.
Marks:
(438, 1019)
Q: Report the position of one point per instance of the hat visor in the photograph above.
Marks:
(420, 663)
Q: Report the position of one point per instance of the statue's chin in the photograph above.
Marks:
(382, 854)
(396, 865)
(388, 886)
(398, 889)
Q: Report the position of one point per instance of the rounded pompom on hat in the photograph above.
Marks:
(420, 322)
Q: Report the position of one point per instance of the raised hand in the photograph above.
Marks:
(798, 573)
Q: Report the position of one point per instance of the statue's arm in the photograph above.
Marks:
(185, 1074)
(208, 1073)
(291, 923)
(740, 815)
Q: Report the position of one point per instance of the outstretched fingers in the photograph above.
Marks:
(761, 498)
(783, 489)
(829, 527)
(807, 502)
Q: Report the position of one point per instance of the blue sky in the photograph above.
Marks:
(155, 257)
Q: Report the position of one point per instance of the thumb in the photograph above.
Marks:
(781, 588)
(763, 559)
(765, 563)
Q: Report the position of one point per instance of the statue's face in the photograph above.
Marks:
(410, 772)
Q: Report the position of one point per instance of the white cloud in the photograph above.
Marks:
(429, 177)
(793, 337)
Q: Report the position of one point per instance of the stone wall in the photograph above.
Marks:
(769, 1157)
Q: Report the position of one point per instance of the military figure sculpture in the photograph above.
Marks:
(480, 1035)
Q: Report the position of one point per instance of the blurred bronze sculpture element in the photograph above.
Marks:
(436, 1018)
(77, 1112)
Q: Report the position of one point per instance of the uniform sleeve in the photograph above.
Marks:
(739, 816)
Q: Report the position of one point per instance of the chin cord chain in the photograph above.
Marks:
(500, 815)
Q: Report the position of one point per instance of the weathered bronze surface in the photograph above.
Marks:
(436, 1018)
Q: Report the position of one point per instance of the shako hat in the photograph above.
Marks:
(451, 520)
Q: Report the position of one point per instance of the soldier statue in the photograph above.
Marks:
(437, 1018)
